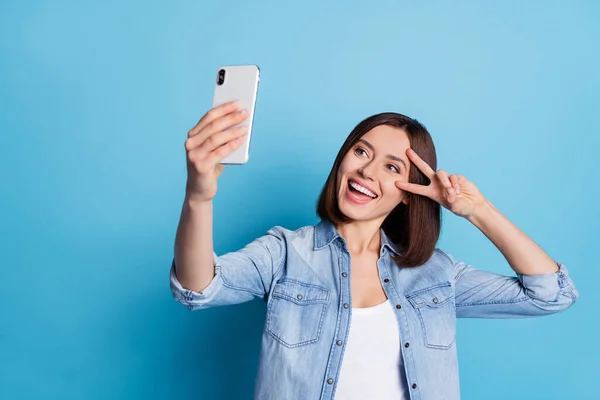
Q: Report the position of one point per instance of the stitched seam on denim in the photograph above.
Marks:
(317, 243)
(572, 296)
(229, 286)
(421, 291)
(299, 302)
(494, 302)
(283, 342)
(562, 279)
(321, 321)
(318, 238)
(434, 306)
(425, 341)
(184, 298)
(337, 327)
(280, 340)
(443, 253)
(282, 262)
(308, 285)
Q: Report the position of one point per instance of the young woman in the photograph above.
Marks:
(361, 305)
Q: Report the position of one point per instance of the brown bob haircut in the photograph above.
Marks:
(414, 228)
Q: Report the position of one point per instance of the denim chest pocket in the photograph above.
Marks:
(295, 312)
(436, 309)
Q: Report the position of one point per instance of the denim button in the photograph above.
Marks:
(386, 280)
(339, 342)
(344, 274)
(346, 305)
(299, 297)
(398, 306)
(406, 345)
(414, 385)
(435, 300)
(330, 381)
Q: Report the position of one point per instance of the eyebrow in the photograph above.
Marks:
(370, 146)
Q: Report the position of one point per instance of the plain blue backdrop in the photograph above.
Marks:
(95, 103)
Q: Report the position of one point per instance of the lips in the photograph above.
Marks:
(360, 183)
(354, 194)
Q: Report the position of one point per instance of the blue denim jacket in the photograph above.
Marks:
(304, 276)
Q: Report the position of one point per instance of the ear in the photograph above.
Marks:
(406, 199)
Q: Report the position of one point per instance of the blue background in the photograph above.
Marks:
(95, 103)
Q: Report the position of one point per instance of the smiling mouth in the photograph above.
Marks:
(360, 190)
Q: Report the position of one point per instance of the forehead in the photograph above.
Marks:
(389, 139)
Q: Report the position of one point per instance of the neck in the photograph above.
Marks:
(361, 236)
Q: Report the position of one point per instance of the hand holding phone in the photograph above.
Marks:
(219, 133)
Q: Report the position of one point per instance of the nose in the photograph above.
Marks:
(367, 171)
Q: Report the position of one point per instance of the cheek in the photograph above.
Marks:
(347, 163)
(391, 192)
(339, 177)
(345, 167)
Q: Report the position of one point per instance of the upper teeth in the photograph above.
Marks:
(363, 189)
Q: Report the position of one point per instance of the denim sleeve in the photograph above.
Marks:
(240, 276)
(482, 294)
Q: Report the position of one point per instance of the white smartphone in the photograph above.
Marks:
(240, 83)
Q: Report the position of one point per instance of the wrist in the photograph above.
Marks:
(481, 212)
(196, 200)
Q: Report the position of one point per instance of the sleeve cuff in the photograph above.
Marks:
(190, 298)
(547, 287)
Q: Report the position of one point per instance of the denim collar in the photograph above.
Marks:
(326, 233)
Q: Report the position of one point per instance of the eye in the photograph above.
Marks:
(360, 151)
(393, 168)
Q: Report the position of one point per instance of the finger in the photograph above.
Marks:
(413, 188)
(455, 183)
(217, 155)
(217, 140)
(214, 113)
(221, 124)
(421, 165)
(443, 177)
(207, 161)
(448, 191)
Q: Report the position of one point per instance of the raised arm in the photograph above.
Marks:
(542, 286)
(208, 142)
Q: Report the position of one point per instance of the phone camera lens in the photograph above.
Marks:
(221, 78)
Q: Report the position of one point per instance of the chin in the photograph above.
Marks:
(355, 214)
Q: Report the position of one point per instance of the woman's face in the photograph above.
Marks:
(368, 172)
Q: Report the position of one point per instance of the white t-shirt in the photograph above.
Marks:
(372, 367)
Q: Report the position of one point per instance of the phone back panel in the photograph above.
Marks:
(241, 84)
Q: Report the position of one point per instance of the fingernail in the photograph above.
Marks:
(451, 191)
(458, 190)
(243, 112)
